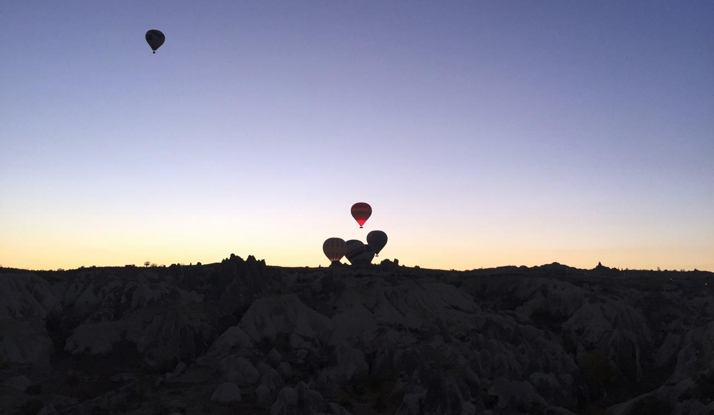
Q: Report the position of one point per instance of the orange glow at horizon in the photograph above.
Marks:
(296, 241)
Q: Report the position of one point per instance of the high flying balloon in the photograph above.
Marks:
(377, 240)
(361, 212)
(155, 39)
(334, 249)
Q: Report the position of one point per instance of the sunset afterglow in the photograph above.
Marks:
(481, 133)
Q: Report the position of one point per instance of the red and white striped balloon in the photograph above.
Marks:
(361, 212)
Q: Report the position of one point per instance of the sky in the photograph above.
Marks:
(482, 133)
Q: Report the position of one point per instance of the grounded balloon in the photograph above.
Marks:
(377, 240)
(361, 212)
(353, 248)
(366, 257)
(155, 39)
(334, 249)
(358, 253)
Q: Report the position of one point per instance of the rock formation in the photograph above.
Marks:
(242, 337)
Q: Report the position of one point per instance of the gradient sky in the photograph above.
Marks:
(483, 133)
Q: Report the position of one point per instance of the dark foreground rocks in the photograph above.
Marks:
(242, 337)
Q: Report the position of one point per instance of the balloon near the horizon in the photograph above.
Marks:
(377, 240)
(367, 255)
(361, 212)
(358, 253)
(155, 39)
(334, 249)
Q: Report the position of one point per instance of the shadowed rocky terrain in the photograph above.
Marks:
(241, 337)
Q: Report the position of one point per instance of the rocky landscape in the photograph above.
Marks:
(240, 337)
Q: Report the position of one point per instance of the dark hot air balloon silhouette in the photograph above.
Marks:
(367, 256)
(353, 247)
(377, 240)
(361, 212)
(334, 249)
(358, 253)
(155, 39)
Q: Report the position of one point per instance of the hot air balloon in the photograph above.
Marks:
(367, 256)
(353, 248)
(334, 249)
(358, 253)
(155, 39)
(377, 240)
(361, 212)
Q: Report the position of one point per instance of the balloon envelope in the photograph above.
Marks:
(377, 240)
(334, 249)
(155, 39)
(353, 247)
(358, 253)
(361, 212)
(366, 257)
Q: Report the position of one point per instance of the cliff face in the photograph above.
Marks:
(242, 337)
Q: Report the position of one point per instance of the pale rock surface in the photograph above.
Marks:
(25, 296)
(96, 338)
(48, 409)
(239, 370)
(285, 315)
(179, 370)
(264, 396)
(696, 353)
(285, 370)
(350, 363)
(273, 357)
(272, 380)
(515, 393)
(286, 403)
(24, 341)
(231, 339)
(226, 392)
